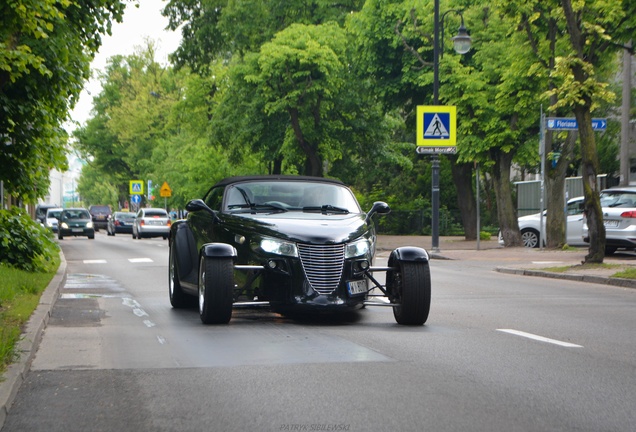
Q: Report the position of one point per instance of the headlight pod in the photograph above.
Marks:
(357, 248)
(279, 247)
(89, 225)
(64, 225)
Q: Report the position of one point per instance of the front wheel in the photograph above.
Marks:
(530, 238)
(216, 282)
(410, 288)
(178, 299)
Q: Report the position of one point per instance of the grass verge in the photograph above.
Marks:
(20, 293)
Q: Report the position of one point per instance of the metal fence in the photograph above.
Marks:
(529, 193)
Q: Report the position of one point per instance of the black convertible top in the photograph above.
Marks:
(238, 179)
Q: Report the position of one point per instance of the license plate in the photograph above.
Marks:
(77, 229)
(611, 223)
(357, 287)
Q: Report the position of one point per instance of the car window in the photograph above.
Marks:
(214, 197)
(576, 207)
(618, 199)
(153, 213)
(53, 214)
(293, 195)
(75, 214)
(126, 216)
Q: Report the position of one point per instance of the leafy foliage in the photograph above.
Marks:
(45, 51)
(24, 243)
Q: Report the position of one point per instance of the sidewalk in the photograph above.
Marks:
(520, 260)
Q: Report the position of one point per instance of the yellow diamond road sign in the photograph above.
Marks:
(165, 191)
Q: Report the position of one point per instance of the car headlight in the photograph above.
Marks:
(89, 225)
(357, 248)
(279, 247)
(64, 225)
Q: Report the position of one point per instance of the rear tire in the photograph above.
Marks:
(216, 282)
(411, 291)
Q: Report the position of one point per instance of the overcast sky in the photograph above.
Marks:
(139, 23)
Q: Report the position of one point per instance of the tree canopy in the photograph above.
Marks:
(46, 47)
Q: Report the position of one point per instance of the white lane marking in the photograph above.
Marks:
(161, 340)
(140, 260)
(149, 323)
(540, 338)
(98, 261)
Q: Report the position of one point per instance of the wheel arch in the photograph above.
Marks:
(409, 254)
(218, 250)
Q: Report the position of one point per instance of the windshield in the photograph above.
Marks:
(76, 214)
(290, 196)
(618, 199)
(53, 214)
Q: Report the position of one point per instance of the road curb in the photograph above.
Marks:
(14, 376)
(617, 282)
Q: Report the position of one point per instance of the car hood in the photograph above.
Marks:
(306, 227)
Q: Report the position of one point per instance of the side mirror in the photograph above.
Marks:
(197, 205)
(379, 207)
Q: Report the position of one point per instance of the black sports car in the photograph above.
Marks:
(290, 242)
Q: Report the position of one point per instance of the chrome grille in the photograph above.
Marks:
(323, 266)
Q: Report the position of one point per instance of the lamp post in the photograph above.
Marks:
(461, 43)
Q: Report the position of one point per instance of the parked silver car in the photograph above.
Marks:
(530, 226)
(619, 218)
(151, 222)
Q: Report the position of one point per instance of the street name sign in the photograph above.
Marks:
(566, 124)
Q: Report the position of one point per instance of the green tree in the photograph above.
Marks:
(46, 47)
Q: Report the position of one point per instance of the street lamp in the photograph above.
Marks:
(461, 43)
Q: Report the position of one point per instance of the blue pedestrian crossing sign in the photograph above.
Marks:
(436, 129)
(136, 187)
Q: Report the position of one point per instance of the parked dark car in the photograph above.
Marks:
(120, 222)
(151, 222)
(100, 214)
(75, 222)
(294, 243)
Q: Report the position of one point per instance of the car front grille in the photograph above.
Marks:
(323, 266)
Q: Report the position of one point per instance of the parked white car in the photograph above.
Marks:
(51, 219)
(619, 218)
(530, 226)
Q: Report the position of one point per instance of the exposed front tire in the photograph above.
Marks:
(178, 299)
(216, 282)
(410, 288)
(530, 238)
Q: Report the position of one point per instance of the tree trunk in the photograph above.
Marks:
(589, 170)
(506, 211)
(462, 178)
(313, 164)
(555, 186)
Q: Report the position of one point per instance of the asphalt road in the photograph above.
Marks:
(499, 352)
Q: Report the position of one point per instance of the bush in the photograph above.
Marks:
(24, 243)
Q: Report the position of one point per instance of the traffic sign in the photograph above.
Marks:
(165, 190)
(565, 123)
(436, 129)
(136, 199)
(136, 187)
